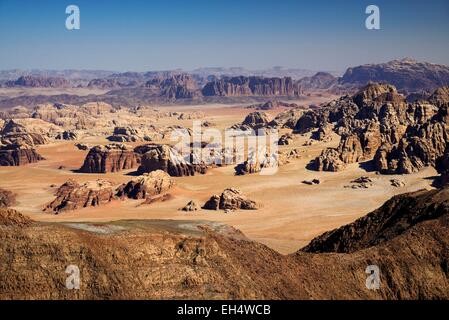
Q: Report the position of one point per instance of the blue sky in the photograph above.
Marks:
(158, 35)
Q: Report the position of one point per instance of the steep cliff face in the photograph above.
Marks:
(407, 239)
(16, 155)
(72, 195)
(251, 86)
(378, 124)
(110, 158)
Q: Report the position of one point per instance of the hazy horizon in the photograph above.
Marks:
(156, 35)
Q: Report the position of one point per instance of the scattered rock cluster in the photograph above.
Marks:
(378, 124)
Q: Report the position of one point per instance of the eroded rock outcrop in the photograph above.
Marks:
(168, 159)
(72, 195)
(251, 86)
(230, 199)
(18, 155)
(110, 158)
(378, 124)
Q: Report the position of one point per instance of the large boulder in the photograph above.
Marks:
(13, 218)
(147, 185)
(230, 199)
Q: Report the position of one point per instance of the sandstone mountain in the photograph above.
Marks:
(407, 75)
(251, 86)
(378, 124)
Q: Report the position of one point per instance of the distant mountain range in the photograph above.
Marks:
(221, 84)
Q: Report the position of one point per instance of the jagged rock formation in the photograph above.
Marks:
(18, 155)
(147, 185)
(406, 75)
(39, 81)
(110, 158)
(230, 199)
(200, 260)
(168, 159)
(7, 198)
(251, 86)
(262, 160)
(377, 123)
(329, 160)
(128, 134)
(394, 218)
(287, 119)
(323, 133)
(71, 196)
(319, 81)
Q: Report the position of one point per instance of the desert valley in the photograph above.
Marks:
(91, 175)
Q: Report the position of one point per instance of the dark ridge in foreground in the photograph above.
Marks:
(408, 239)
(396, 216)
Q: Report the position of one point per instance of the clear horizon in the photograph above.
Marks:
(156, 35)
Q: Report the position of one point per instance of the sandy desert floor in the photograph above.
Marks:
(291, 213)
